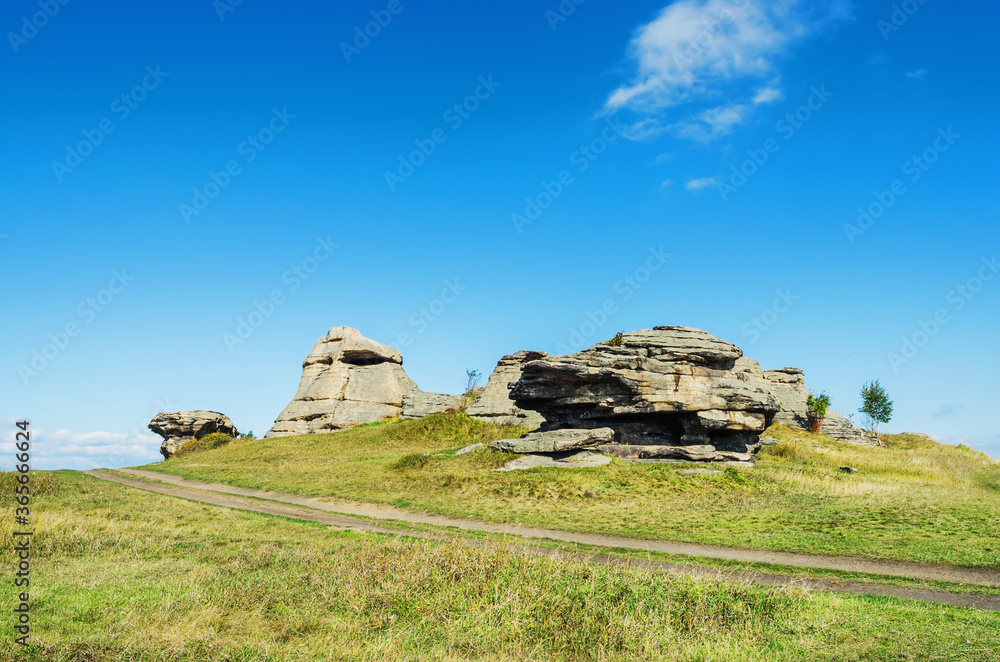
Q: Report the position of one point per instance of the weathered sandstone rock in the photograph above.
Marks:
(672, 386)
(555, 441)
(178, 427)
(494, 405)
(347, 380)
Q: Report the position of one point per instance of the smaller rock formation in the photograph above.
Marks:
(495, 405)
(789, 388)
(347, 380)
(178, 427)
(555, 441)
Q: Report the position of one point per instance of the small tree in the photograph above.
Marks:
(876, 406)
(472, 379)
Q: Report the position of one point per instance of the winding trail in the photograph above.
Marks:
(345, 516)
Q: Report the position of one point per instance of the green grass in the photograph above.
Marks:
(913, 500)
(121, 574)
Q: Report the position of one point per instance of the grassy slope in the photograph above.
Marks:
(128, 575)
(913, 501)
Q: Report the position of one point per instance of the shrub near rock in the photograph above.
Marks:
(206, 443)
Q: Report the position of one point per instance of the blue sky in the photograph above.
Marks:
(811, 181)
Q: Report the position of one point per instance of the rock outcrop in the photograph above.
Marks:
(494, 405)
(681, 390)
(789, 387)
(178, 427)
(348, 380)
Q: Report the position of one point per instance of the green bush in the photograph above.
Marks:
(206, 443)
(817, 405)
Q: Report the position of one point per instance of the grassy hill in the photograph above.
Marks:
(121, 574)
(913, 500)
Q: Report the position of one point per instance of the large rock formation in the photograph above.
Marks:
(789, 387)
(178, 427)
(681, 390)
(494, 405)
(347, 380)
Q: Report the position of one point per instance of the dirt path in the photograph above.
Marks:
(343, 516)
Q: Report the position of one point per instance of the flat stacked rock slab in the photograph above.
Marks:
(494, 405)
(569, 460)
(555, 441)
(671, 392)
(179, 427)
(417, 404)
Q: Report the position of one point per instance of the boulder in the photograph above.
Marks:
(347, 380)
(577, 460)
(789, 388)
(555, 441)
(178, 427)
(494, 405)
(672, 386)
(417, 403)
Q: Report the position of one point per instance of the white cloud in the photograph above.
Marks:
(767, 95)
(712, 123)
(65, 449)
(665, 184)
(699, 184)
(662, 158)
(919, 74)
(698, 50)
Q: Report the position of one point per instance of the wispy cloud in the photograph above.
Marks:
(662, 158)
(699, 184)
(721, 120)
(665, 184)
(919, 74)
(699, 50)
